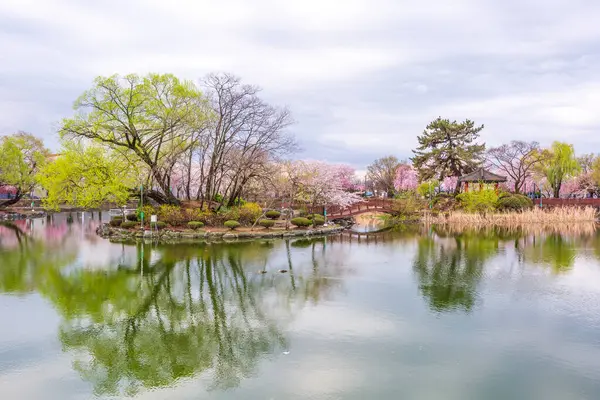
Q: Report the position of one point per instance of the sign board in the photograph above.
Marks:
(153, 218)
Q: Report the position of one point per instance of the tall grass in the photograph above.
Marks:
(535, 215)
(585, 228)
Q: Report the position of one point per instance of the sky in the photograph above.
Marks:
(362, 78)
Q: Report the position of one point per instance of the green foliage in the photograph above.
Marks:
(513, 202)
(273, 214)
(150, 119)
(428, 189)
(116, 222)
(22, 156)
(478, 200)
(231, 224)
(448, 149)
(407, 206)
(86, 177)
(557, 164)
(160, 225)
(195, 225)
(132, 217)
(267, 223)
(172, 215)
(129, 225)
(318, 221)
(248, 213)
(148, 211)
(301, 222)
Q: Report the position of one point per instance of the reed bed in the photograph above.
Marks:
(567, 229)
(562, 215)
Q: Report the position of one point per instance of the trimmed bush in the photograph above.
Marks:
(267, 223)
(132, 217)
(129, 224)
(300, 222)
(273, 214)
(160, 225)
(195, 225)
(514, 202)
(231, 224)
(318, 221)
(117, 221)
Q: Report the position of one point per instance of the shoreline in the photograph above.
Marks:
(119, 235)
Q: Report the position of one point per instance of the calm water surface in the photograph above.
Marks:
(421, 314)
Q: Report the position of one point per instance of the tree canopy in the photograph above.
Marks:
(382, 173)
(87, 176)
(22, 156)
(557, 164)
(151, 119)
(448, 148)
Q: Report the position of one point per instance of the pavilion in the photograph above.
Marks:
(480, 176)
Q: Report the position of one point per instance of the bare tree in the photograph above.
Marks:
(382, 172)
(245, 133)
(516, 159)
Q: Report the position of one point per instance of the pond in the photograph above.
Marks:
(419, 313)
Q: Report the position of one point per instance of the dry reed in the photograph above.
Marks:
(568, 229)
(533, 216)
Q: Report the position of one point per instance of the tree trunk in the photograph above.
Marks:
(10, 202)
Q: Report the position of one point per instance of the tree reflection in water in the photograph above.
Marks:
(166, 313)
(449, 270)
(175, 311)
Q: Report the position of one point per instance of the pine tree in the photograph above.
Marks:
(448, 149)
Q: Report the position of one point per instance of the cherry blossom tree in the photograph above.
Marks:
(321, 184)
(406, 178)
(449, 183)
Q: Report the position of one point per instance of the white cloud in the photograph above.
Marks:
(362, 77)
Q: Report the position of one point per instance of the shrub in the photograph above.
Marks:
(407, 206)
(231, 224)
(171, 215)
(195, 225)
(318, 221)
(160, 225)
(248, 213)
(273, 214)
(300, 222)
(267, 223)
(309, 217)
(117, 221)
(513, 202)
(478, 200)
(148, 210)
(129, 224)
(132, 217)
(426, 189)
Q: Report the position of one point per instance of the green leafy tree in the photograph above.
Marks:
(557, 164)
(448, 148)
(22, 155)
(149, 119)
(87, 177)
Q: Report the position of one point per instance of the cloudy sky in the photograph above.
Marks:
(362, 78)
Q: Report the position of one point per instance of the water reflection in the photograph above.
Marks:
(449, 268)
(142, 316)
(163, 313)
